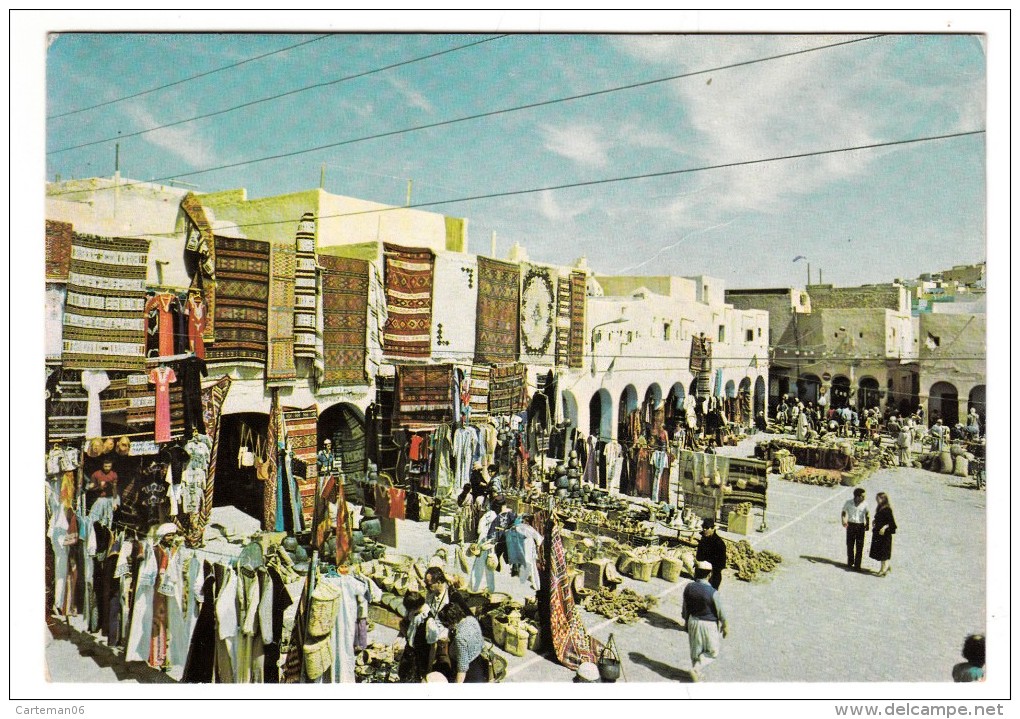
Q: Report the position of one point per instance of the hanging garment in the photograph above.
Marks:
(191, 371)
(642, 472)
(613, 453)
(397, 503)
(199, 450)
(162, 377)
(140, 635)
(660, 465)
(464, 442)
(159, 310)
(345, 627)
(227, 626)
(168, 643)
(198, 318)
(591, 465)
(200, 665)
(94, 382)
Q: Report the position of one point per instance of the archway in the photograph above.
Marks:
(236, 485)
(840, 391)
(693, 389)
(569, 410)
(731, 389)
(600, 415)
(628, 403)
(976, 400)
(759, 396)
(942, 404)
(344, 425)
(674, 407)
(868, 393)
(807, 388)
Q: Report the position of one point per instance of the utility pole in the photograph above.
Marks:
(409, 184)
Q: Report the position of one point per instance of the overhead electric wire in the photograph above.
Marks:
(493, 113)
(186, 79)
(275, 97)
(589, 183)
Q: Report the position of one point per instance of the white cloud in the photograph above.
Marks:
(411, 96)
(579, 143)
(184, 141)
(554, 211)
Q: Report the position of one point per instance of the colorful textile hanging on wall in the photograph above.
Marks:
(701, 354)
(280, 358)
(578, 297)
(349, 443)
(498, 316)
(67, 407)
(571, 642)
(562, 320)
(302, 427)
(408, 281)
(480, 392)
(139, 402)
(538, 314)
(59, 236)
(345, 320)
(200, 256)
(274, 431)
(212, 404)
(242, 300)
(423, 393)
(104, 315)
(508, 389)
(305, 307)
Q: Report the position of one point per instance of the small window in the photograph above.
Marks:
(750, 336)
(722, 333)
(667, 331)
(759, 333)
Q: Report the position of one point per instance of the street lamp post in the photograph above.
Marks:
(617, 321)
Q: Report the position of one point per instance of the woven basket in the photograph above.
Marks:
(671, 568)
(516, 640)
(498, 628)
(642, 570)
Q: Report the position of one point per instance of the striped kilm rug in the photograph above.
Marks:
(280, 358)
(498, 314)
(213, 396)
(344, 320)
(302, 427)
(59, 236)
(562, 320)
(104, 312)
(423, 393)
(408, 283)
(140, 396)
(508, 389)
(480, 392)
(204, 253)
(578, 298)
(242, 300)
(305, 307)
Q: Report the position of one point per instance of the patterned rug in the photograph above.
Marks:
(280, 358)
(424, 393)
(67, 407)
(273, 433)
(701, 354)
(205, 255)
(570, 639)
(302, 427)
(139, 404)
(349, 442)
(305, 308)
(408, 281)
(59, 236)
(562, 320)
(538, 314)
(212, 403)
(498, 316)
(480, 392)
(578, 297)
(345, 320)
(242, 300)
(104, 318)
(508, 389)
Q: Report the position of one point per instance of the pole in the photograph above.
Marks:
(808, 276)
(409, 184)
(322, 177)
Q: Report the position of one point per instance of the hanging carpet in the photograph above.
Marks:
(562, 320)
(498, 316)
(508, 389)
(480, 392)
(424, 393)
(345, 320)
(280, 358)
(305, 307)
(349, 443)
(200, 255)
(104, 315)
(59, 236)
(302, 427)
(212, 403)
(538, 314)
(578, 297)
(571, 642)
(242, 300)
(408, 282)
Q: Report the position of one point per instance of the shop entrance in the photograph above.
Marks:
(867, 393)
(840, 392)
(942, 404)
(976, 400)
(759, 396)
(600, 415)
(628, 404)
(236, 484)
(344, 425)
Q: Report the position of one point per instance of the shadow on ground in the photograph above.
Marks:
(663, 670)
(104, 657)
(660, 622)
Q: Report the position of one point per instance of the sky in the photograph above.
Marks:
(864, 216)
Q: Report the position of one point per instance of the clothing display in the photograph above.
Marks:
(162, 377)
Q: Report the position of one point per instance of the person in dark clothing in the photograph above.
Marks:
(477, 487)
(712, 549)
(881, 535)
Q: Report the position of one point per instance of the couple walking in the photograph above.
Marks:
(857, 520)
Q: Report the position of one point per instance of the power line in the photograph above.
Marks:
(494, 113)
(589, 183)
(276, 97)
(184, 80)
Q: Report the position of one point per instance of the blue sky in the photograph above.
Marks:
(866, 216)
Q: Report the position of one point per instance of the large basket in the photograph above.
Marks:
(643, 570)
(671, 568)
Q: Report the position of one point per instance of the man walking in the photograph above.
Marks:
(706, 622)
(712, 549)
(856, 519)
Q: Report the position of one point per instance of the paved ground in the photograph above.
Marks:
(810, 621)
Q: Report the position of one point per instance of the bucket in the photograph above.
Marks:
(371, 527)
(609, 662)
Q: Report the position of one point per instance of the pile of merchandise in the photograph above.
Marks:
(624, 606)
(748, 563)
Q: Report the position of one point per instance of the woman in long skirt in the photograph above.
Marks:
(882, 530)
